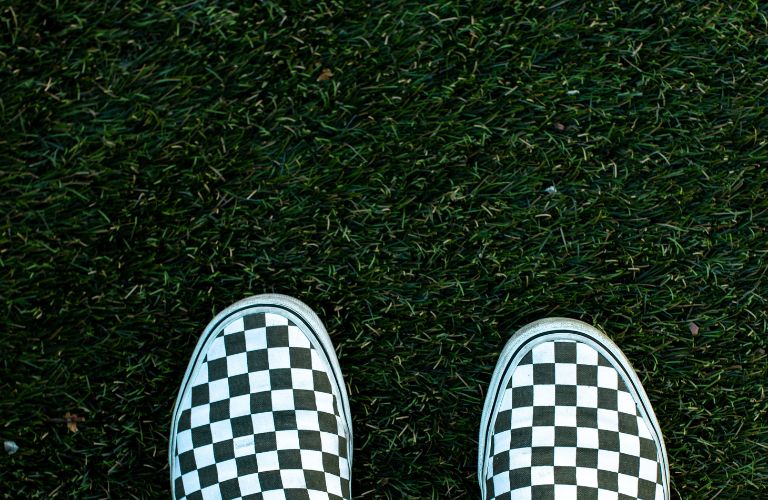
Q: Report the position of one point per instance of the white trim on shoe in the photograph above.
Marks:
(296, 311)
(550, 329)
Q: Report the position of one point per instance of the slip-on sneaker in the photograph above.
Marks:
(263, 410)
(565, 416)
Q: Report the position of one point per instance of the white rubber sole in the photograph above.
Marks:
(550, 329)
(297, 312)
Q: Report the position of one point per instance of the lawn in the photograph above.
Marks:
(429, 177)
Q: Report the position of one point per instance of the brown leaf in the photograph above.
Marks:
(559, 127)
(694, 328)
(325, 75)
(72, 419)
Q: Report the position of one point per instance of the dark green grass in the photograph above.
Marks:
(161, 160)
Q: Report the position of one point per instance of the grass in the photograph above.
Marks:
(160, 160)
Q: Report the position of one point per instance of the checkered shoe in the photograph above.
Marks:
(263, 411)
(566, 417)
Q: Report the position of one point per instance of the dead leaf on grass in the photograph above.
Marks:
(71, 419)
(325, 75)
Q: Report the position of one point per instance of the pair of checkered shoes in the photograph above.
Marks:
(263, 413)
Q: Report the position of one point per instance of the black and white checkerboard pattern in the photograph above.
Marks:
(262, 420)
(568, 428)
